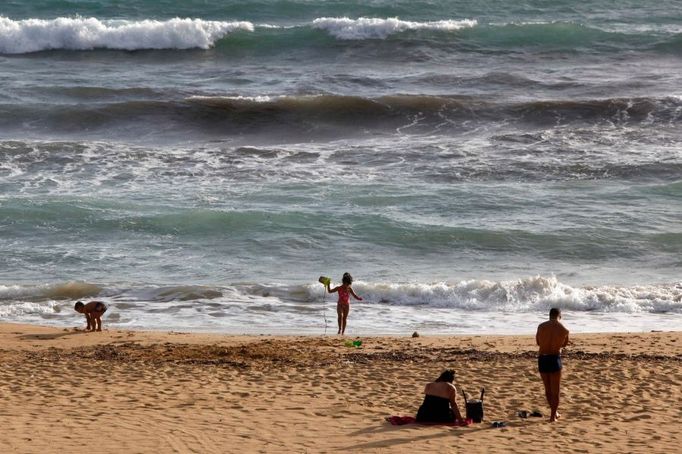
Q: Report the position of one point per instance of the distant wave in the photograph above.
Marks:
(333, 115)
(368, 28)
(61, 291)
(33, 35)
(623, 109)
(80, 33)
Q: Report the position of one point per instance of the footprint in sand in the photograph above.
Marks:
(638, 418)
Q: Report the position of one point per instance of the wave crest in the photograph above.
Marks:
(531, 294)
(89, 33)
(34, 35)
(368, 28)
(61, 291)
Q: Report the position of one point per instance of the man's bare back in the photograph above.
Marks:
(551, 337)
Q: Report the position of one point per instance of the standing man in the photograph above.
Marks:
(551, 338)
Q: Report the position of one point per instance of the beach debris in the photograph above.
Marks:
(415, 334)
(355, 343)
(525, 414)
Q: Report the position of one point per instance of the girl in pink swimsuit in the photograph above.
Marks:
(343, 305)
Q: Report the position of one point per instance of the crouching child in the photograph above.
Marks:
(93, 313)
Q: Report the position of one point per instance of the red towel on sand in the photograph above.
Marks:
(402, 420)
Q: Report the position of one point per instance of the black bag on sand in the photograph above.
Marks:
(474, 407)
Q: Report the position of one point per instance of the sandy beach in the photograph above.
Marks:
(64, 390)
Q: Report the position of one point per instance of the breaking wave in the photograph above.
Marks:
(530, 294)
(375, 28)
(90, 33)
(330, 115)
(33, 35)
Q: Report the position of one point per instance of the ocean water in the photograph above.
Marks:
(197, 165)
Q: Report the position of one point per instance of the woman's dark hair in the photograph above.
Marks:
(78, 305)
(447, 375)
(347, 279)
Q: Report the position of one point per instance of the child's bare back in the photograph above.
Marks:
(93, 313)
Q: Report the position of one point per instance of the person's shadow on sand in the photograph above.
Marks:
(410, 438)
(52, 336)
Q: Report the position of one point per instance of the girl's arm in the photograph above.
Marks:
(354, 295)
(332, 290)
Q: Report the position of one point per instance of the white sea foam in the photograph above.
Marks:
(18, 310)
(263, 98)
(33, 35)
(470, 306)
(531, 294)
(367, 28)
(538, 293)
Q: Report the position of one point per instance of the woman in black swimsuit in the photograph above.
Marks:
(439, 401)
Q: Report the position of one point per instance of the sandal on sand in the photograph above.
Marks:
(536, 414)
(498, 424)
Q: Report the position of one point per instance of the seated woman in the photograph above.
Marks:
(439, 403)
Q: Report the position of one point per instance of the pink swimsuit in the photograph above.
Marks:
(344, 296)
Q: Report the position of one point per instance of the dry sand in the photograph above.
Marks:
(68, 391)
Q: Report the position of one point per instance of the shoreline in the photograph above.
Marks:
(361, 325)
(188, 392)
(206, 334)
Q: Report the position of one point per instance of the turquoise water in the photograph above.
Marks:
(199, 164)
